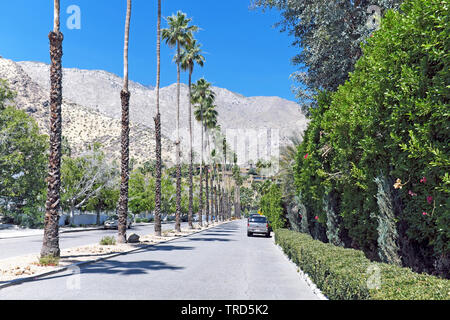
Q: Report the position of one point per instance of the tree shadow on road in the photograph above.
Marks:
(209, 239)
(224, 233)
(127, 267)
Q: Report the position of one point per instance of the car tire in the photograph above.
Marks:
(268, 235)
(249, 234)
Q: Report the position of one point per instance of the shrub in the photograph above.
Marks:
(272, 207)
(49, 260)
(108, 241)
(346, 274)
(390, 117)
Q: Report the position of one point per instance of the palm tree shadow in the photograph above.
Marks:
(127, 268)
(210, 239)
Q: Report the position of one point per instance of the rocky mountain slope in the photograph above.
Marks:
(92, 109)
(81, 125)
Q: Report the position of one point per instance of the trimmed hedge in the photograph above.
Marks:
(344, 274)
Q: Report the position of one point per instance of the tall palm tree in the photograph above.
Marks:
(125, 137)
(210, 117)
(202, 96)
(158, 128)
(190, 56)
(213, 175)
(50, 243)
(179, 34)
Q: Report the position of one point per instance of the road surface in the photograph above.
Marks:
(221, 263)
(32, 244)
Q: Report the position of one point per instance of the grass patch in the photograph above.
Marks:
(167, 232)
(49, 261)
(346, 274)
(108, 241)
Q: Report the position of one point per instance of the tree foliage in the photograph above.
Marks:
(390, 120)
(329, 35)
(271, 206)
(23, 156)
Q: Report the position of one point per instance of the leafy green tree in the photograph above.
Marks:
(329, 36)
(105, 200)
(387, 126)
(271, 206)
(23, 162)
(84, 177)
(142, 193)
(168, 195)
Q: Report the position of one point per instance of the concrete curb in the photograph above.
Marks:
(61, 269)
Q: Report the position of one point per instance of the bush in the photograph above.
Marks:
(390, 120)
(108, 241)
(346, 274)
(49, 261)
(271, 206)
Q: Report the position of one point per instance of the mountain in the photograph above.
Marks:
(91, 109)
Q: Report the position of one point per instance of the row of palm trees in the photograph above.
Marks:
(179, 35)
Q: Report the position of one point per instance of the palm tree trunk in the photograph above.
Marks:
(50, 243)
(213, 216)
(200, 207)
(158, 129)
(224, 182)
(215, 204)
(125, 139)
(191, 157)
(207, 176)
(178, 201)
(207, 193)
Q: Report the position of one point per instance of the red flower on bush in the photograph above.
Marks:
(424, 213)
(306, 156)
(429, 199)
(423, 180)
(412, 194)
(316, 217)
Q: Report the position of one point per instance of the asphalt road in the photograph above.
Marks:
(32, 244)
(219, 263)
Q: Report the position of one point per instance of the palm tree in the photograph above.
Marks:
(202, 96)
(213, 174)
(122, 209)
(158, 128)
(210, 117)
(178, 34)
(50, 243)
(190, 56)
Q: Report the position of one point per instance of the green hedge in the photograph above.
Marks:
(344, 274)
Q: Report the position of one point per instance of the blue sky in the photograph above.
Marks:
(244, 53)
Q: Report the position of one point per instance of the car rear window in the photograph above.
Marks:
(258, 219)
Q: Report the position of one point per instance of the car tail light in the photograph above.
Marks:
(267, 225)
